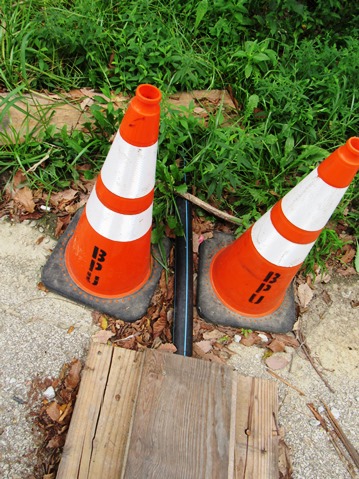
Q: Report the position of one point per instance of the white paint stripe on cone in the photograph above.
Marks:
(116, 226)
(310, 204)
(129, 171)
(274, 247)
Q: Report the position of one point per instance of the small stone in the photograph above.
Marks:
(314, 422)
(335, 413)
(263, 337)
(237, 338)
(49, 393)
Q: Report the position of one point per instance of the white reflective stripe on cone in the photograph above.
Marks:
(129, 171)
(274, 247)
(311, 203)
(116, 226)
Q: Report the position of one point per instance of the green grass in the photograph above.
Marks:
(292, 65)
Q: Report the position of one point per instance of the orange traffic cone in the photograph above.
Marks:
(246, 283)
(104, 257)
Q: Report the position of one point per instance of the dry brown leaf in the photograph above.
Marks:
(305, 295)
(326, 297)
(204, 346)
(73, 377)
(42, 287)
(54, 411)
(63, 197)
(349, 271)
(25, 198)
(215, 334)
(61, 224)
(160, 324)
(208, 356)
(276, 346)
(18, 179)
(287, 340)
(348, 255)
(55, 442)
(249, 340)
(102, 336)
(276, 362)
(167, 347)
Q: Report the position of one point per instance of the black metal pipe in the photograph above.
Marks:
(183, 289)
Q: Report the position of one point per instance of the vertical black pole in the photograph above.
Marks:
(183, 295)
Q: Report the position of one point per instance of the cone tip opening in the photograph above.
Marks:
(354, 144)
(148, 94)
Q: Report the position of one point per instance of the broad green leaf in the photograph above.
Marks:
(260, 57)
(202, 8)
(248, 70)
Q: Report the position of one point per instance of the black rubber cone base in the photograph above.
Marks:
(213, 310)
(128, 308)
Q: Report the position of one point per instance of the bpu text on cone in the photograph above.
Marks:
(246, 283)
(104, 257)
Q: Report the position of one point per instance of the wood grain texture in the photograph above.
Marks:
(182, 422)
(97, 437)
(156, 415)
(256, 448)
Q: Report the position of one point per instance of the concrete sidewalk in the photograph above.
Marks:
(34, 339)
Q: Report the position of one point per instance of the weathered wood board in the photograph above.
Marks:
(151, 414)
(26, 115)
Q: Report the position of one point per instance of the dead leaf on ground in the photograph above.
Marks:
(54, 411)
(276, 362)
(167, 347)
(326, 297)
(250, 339)
(42, 287)
(55, 442)
(160, 324)
(204, 346)
(24, 196)
(276, 346)
(349, 254)
(61, 224)
(73, 376)
(215, 334)
(63, 197)
(305, 295)
(349, 271)
(287, 340)
(102, 336)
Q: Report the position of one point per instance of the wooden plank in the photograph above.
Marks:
(181, 427)
(29, 113)
(256, 449)
(97, 438)
(154, 414)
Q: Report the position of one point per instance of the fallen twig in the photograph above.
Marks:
(33, 167)
(211, 209)
(340, 433)
(303, 346)
(285, 381)
(127, 337)
(334, 440)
